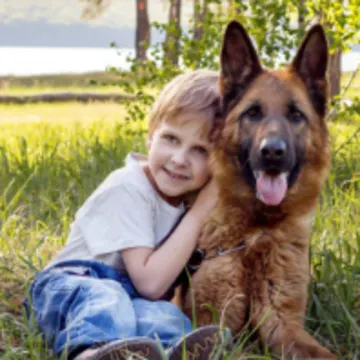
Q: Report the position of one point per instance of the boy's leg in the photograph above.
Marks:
(161, 320)
(75, 311)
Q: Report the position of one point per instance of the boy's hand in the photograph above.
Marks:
(146, 265)
(206, 200)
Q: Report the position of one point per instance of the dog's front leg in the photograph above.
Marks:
(278, 306)
(289, 338)
(218, 288)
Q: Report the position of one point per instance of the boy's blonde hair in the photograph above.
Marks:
(191, 92)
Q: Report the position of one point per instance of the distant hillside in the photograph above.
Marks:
(40, 33)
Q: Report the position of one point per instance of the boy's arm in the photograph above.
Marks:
(154, 271)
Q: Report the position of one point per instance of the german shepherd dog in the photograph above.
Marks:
(270, 163)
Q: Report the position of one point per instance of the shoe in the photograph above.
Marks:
(201, 343)
(128, 349)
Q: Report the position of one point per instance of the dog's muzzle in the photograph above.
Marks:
(271, 164)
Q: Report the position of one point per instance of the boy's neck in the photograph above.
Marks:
(173, 201)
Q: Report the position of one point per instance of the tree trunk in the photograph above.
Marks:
(171, 47)
(335, 73)
(301, 17)
(142, 30)
(200, 10)
(198, 28)
(334, 66)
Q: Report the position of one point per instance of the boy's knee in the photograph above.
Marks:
(157, 309)
(169, 308)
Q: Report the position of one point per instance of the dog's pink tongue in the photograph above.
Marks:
(272, 189)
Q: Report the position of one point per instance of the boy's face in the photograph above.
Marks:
(178, 156)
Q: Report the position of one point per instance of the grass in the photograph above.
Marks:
(100, 81)
(14, 118)
(20, 91)
(53, 156)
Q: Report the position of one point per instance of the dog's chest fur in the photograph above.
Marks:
(270, 250)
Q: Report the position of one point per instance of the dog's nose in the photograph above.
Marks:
(273, 148)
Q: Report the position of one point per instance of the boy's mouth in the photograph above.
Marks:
(175, 175)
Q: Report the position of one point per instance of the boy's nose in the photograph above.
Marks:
(180, 157)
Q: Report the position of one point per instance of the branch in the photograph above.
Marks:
(348, 141)
(94, 8)
(353, 75)
(357, 131)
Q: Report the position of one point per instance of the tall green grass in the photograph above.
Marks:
(50, 163)
(98, 81)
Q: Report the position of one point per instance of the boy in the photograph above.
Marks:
(100, 297)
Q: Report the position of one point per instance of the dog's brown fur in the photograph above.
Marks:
(267, 281)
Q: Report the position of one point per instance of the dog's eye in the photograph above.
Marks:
(295, 115)
(254, 113)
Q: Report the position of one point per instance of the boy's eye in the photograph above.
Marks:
(170, 138)
(201, 150)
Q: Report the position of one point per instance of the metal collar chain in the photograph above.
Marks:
(199, 255)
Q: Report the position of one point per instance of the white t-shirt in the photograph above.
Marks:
(125, 211)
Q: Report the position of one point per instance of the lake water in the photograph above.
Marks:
(46, 60)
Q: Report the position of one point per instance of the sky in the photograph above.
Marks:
(120, 13)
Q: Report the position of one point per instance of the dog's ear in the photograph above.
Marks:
(217, 128)
(239, 61)
(310, 63)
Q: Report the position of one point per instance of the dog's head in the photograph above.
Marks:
(274, 125)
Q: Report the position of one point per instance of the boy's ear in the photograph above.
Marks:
(217, 128)
(148, 142)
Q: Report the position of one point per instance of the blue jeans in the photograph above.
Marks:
(78, 304)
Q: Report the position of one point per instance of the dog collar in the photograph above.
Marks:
(199, 255)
